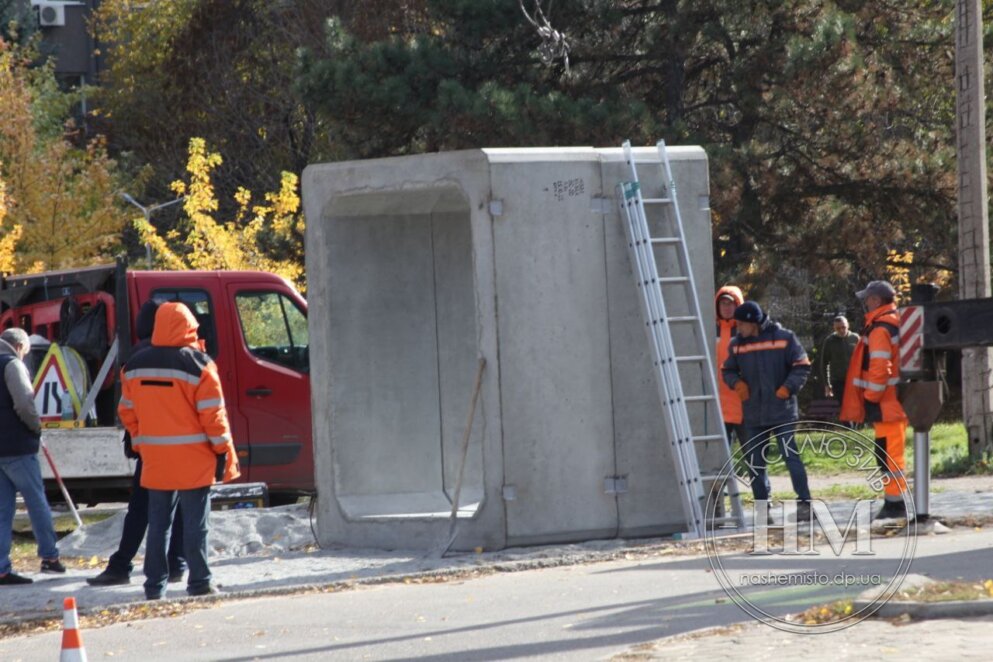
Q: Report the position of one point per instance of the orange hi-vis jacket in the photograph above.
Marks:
(173, 406)
(730, 402)
(874, 371)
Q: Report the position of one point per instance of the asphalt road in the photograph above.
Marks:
(588, 611)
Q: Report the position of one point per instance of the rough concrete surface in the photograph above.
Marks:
(420, 265)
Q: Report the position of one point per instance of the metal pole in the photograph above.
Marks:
(922, 473)
(147, 213)
(62, 486)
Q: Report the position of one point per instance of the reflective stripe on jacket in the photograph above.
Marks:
(730, 402)
(873, 373)
(765, 362)
(173, 407)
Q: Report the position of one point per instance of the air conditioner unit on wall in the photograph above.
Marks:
(50, 14)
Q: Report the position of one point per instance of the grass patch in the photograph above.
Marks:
(748, 499)
(858, 491)
(830, 493)
(950, 452)
(63, 522)
(824, 454)
(948, 592)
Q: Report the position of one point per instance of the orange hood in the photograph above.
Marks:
(175, 326)
(733, 291)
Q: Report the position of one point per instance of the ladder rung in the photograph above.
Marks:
(673, 279)
(665, 240)
(683, 318)
(714, 478)
(697, 357)
(697, 398)
(656, 201)
(708, 437)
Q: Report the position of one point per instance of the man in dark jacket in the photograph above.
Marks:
(836, 352)
(767, 367)
(20, 441)
(120, 565)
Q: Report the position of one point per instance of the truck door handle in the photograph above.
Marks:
(259, 392)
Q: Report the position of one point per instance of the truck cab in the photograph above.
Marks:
(254, 326)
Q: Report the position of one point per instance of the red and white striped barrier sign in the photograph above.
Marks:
(911, 339)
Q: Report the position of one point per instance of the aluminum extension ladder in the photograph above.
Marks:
(659, 327)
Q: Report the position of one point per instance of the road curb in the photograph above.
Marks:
(929, 610)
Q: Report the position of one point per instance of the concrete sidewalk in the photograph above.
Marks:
(945, 639)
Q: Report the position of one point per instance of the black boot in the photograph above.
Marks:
(804, 515)
(892, 510)
(109, 578)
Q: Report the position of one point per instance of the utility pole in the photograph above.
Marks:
(147, 213)
(974, 234)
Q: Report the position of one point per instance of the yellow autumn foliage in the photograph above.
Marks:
(8, 235)
(898, 270)
(204, 243)
(60, 198)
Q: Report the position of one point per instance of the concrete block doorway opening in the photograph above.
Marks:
(403, 353)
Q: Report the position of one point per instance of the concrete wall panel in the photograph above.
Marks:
(554, 349)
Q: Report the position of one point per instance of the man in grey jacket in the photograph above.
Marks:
(20, 441)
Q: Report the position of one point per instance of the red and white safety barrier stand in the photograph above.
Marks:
(921, 396)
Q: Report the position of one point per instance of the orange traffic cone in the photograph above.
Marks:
(72, 641)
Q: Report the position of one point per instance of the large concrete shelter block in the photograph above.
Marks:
(419, 266)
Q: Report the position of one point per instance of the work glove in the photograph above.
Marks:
(741, 388)
(783, 393)
(222, 460)
(129, 451)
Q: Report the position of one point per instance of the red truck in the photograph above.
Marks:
(253, 324)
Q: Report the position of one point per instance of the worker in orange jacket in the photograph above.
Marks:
(871, 391)
(173, 407)
(726, 300)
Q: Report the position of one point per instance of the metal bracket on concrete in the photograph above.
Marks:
(601, 205)
(496, 207)
(615, 485)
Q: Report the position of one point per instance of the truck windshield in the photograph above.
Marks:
(274, 329)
